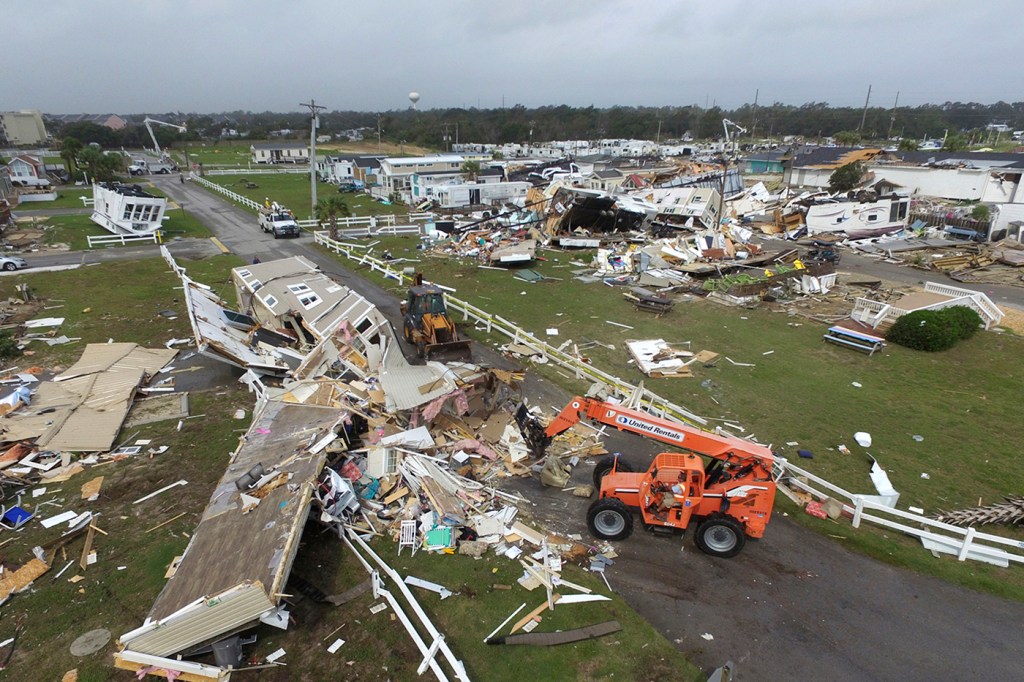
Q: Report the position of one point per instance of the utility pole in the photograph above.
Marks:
(314, 117)
(378, 132)
(864, 116)
(657, 140)
(753, 124)
(892, 116)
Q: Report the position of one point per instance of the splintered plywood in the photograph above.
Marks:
(18, 580)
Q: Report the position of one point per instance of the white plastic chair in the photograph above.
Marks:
(407, 536)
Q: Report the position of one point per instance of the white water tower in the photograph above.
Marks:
(414, 97)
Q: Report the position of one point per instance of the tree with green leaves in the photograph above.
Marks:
(954, 143)
(847, 138)
(846, 177)
(69, 148)
(98, 166)
(907, 145)
(329, 209)
(471, 169)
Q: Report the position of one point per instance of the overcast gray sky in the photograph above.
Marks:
(134, 56)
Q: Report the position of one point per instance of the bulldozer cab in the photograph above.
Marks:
(426, 325)
(424, 300)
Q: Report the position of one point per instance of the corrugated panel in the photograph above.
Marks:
(194, 624)
(407, 386)
(96, 358)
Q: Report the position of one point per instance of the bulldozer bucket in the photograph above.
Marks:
(452, 351)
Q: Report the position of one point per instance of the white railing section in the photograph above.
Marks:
(241, 170)
(435, 651)
(649, 400)
(234, 196)
(352, 226)
(122, 239)
(966, 543)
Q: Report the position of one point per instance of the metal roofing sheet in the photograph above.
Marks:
(201, 620)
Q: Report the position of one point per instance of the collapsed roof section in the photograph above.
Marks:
(82, 409)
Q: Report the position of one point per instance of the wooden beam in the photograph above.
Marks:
(533, 614)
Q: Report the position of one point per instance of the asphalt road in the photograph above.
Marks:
(792, 606)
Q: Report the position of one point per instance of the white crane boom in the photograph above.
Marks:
(149, 127)
(739, 129)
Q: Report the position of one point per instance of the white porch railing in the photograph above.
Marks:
(122, 239)
(989, 312)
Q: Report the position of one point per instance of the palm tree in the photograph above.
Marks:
(329, 209)
(69, 153)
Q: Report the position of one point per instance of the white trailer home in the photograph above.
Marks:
(127, 209)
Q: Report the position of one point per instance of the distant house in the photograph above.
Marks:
(28, 171)
(112, 121)
(279, 152)
(762, 163)
(366, 169)
(605, 180)
(396, 174)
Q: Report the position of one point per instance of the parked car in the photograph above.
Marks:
(13, 263)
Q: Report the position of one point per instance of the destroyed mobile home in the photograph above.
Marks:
(376, 445)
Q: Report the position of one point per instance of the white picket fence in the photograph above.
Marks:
(234, 196)
(122, 239)
(350, 227)
(964, 543)
(242, 170)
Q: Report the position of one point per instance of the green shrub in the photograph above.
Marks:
(964, 319)
(928, 330)
(8, 347)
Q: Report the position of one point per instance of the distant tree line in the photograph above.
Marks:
(438, 128)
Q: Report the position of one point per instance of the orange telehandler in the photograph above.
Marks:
(729, 498)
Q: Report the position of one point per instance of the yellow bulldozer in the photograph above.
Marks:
(426, 325)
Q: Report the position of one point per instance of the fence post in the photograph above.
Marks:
(857, 512)
(966, 547)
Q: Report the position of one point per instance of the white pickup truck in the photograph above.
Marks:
(143, 167)
(279, 221)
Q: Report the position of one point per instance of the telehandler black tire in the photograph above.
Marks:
(720, 536)
(609, 519)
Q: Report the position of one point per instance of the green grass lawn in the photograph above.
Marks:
(800, 389)
(292, 190)
(69, 198)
